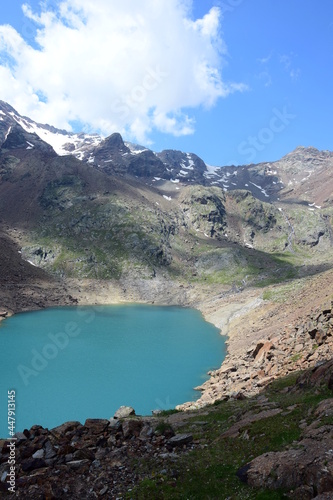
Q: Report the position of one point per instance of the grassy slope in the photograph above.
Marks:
(209, 471)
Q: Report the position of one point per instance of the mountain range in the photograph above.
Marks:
(82, 206)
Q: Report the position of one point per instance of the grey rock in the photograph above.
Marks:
(49, 451)
(156, 412)
(20, 437)
(77, 464)
(132, 427)
(114, 423)
(39, 454)
(180, 440)
(146, 432)
(124, 412)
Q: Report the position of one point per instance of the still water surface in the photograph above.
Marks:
(75, 363)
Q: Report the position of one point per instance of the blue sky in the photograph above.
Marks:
(271, 90)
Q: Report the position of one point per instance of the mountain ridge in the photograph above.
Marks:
(158, 201)
(109, 154)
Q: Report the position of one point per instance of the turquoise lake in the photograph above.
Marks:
(74, 363)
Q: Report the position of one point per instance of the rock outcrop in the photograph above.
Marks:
(94, 460)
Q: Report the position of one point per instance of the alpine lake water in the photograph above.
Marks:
(73, 363)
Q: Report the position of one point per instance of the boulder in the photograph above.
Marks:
(132, 427)
(97, 425)
(124, 412)
(275, 470)
(39, 454)
(180, 440)
(20, 437)
(64, 428)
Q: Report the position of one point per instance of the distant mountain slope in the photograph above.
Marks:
(301, 172)
(123, 210)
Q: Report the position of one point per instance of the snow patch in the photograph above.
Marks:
(261, 189)
(6, 135)
(57, 140)
(211, 170)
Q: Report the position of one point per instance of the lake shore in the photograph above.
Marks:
(262, 342)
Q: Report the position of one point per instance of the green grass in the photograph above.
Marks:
(280, 294)
(209, 471)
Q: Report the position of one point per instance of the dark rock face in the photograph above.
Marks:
(17, 138)
(146, 164)
(187, 166)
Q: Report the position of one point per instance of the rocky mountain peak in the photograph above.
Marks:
(171, 169)
(6, 108)
(114, 141)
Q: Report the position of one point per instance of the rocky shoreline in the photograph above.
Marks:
(95, 449)
(111, 458)
(262, 343)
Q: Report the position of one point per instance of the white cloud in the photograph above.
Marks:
(115, 66)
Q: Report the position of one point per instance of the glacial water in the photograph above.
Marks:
(75, 363)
